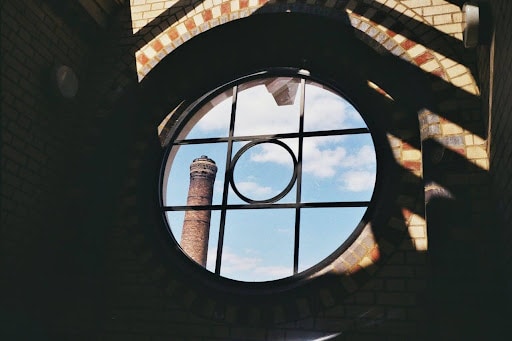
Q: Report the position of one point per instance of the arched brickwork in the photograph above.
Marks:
(370, 256)
(84, 255)
(397, 36)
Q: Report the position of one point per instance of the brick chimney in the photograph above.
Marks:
(196, 226)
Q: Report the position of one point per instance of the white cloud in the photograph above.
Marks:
(217, 118)
(363, 158)
(326, 110)
(323, 157)
(233, 263)
(359, 170)
(258, 113)
(322, 162)
(357, 181)
(247, 266)
(268, 152)
(253, 189)
(273, 272)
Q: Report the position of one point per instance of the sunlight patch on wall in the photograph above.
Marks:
(378, 89)
(406, 155)
(443, 15)
(418, 232)
(144, 11)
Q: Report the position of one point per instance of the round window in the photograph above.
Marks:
(267, 177)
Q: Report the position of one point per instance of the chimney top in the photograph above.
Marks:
(204, 158)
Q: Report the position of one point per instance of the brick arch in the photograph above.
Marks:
(394, 37)
(352, 269)
(361, 261)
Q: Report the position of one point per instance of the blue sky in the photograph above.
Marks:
(258, 244)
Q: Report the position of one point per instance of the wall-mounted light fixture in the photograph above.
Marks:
(471, 28)
(477, 28)
(65, 81)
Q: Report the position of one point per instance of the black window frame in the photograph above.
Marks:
(182, 118)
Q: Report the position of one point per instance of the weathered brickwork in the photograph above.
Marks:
(196, 224)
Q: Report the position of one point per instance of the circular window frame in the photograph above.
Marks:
(182, 115)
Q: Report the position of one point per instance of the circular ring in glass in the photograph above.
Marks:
(280, 195)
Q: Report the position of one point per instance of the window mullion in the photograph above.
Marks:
(220, 242)
(299, 178)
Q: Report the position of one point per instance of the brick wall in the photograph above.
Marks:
(78, 255)
(42, 261)
(495, 60)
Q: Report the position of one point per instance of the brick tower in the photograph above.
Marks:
(196, 226)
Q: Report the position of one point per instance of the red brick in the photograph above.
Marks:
(407, 146)
(157, 45)
(173, 34)
(225, 8)
(423, 58)
(460, 151)
(412, 165)
(142, 59)
(391, 33)
(407, 44)
(406, 213)
(439, 72)
(207, 15)
(190, 24)
(356, 268)
(375, 254)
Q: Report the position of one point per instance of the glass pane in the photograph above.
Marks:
(264, 170)
(258, 245)
(338, 168)
(175, 220)
(326, 110)
(269, 106)
(176, 183)
(212, 120)
(323, 230)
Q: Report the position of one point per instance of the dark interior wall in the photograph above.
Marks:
(76, 262)
(496, 60)
(41, 282)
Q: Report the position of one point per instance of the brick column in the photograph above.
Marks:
(196, 226)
